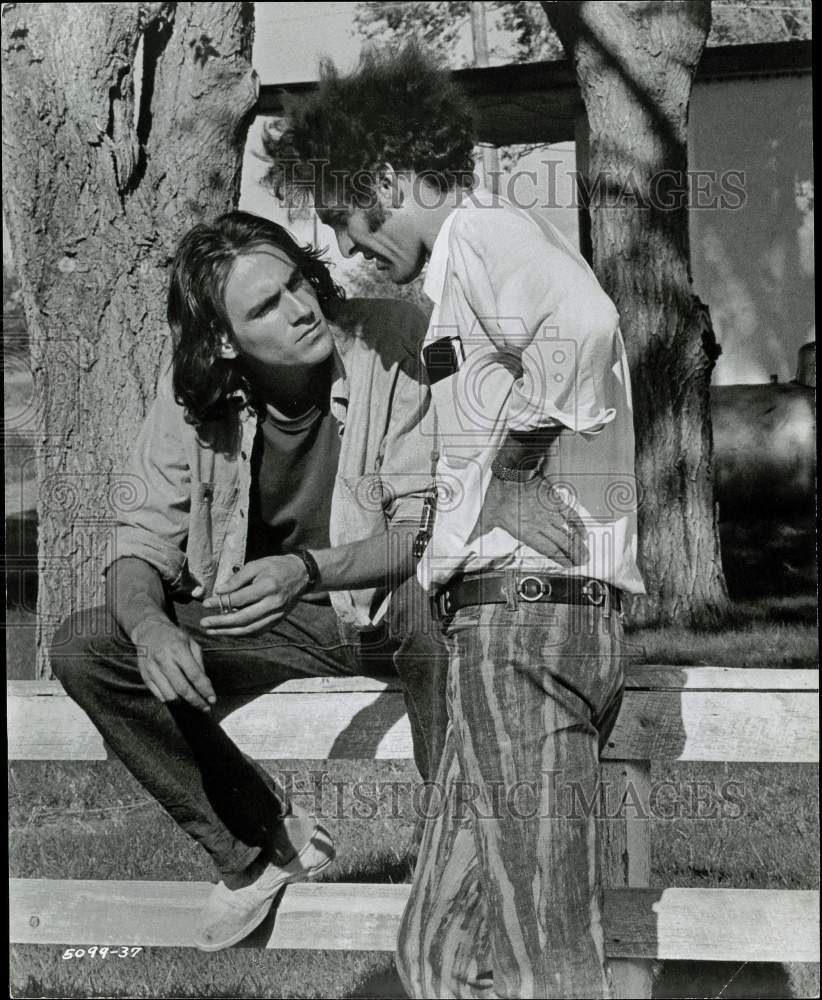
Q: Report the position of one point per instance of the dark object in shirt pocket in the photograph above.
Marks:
(440, 359)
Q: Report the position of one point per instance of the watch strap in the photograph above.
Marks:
(311, 567)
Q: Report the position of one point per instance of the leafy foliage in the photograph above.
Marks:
(737, 23)
(522, 32)
(526, 34)
(437, 24)
(535, 38)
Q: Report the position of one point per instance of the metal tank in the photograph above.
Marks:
(765, 445)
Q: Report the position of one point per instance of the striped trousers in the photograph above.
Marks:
(507, 898)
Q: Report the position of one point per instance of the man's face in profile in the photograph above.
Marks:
(387, 235)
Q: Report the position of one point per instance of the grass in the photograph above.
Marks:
(774, 844)
(772, 632)
(94, 821)
(79, 820)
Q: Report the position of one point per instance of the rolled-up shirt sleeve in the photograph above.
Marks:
(152, 524)
(546, 314)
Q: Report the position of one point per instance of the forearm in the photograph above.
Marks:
(522, 452)
(384, 559)
(135, 594)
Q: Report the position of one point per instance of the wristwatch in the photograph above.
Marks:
(515, 474)
(311, 567)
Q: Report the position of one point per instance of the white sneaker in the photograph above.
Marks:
(232, 914)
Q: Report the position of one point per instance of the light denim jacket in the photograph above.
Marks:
(190, 519)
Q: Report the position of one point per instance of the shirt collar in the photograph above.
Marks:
(438, 261)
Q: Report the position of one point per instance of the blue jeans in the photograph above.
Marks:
(182, 756)
(507, 898)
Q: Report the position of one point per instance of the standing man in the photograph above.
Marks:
(536, 448)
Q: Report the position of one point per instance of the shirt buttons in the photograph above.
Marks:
(243, 455)
(235, 569)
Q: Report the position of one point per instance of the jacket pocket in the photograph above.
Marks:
(210, 513)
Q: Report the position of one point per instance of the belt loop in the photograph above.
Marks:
(606, 604)
(511, 597)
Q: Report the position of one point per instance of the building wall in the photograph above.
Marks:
(753, 265)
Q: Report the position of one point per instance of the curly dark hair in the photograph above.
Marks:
(204, 382)
(398, 107)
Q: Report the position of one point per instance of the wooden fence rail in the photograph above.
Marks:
(669, 713)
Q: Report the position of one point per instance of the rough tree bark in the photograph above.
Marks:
(635, 64)
(123, 124)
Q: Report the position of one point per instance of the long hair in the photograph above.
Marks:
(204, 382)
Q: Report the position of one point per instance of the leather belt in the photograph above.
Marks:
(532, 588)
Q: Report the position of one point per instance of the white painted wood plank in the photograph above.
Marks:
(49, 727)
(360, 725)
(658, 677)
(741, 726)
(308, 685)
(715, 925)
(690, 924)
(322, 718)
(693, 724)
(637, 676)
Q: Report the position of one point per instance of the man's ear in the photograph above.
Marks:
(389, 187)
(227, 350)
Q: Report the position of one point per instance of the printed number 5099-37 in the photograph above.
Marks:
(102, 951)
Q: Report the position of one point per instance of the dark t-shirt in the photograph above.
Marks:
(293, 468)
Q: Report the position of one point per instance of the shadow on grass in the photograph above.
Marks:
(765, 558)
(378, 870)
(380, 985)
(729, 980)
(796, 610)
(675, 980)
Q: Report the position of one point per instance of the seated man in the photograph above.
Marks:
(285, 463)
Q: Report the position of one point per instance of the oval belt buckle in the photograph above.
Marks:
(544, 589)
(443, 603)
(595, 591)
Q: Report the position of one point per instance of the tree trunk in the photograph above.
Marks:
(635, 64)
(124, 124)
